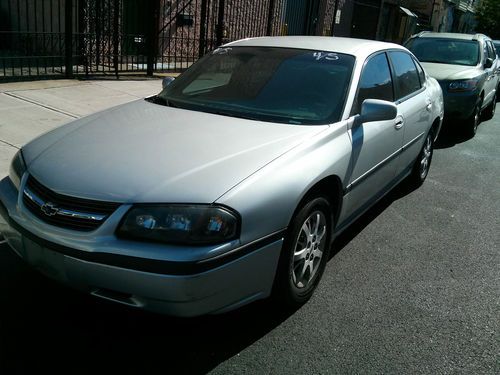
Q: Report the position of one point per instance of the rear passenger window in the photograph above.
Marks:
(421, 72)
(375, 82)
(406, 80)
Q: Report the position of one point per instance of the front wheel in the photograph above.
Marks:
(422, 164)
(305, 252)
(489, 111)
(473, 122)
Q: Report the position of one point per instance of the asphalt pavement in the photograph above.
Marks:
(412, 287)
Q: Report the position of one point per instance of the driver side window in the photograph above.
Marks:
(375, 82)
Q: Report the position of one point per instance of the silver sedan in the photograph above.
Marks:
(230, 185)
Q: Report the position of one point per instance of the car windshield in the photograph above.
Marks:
(292, 86)
(445, 51)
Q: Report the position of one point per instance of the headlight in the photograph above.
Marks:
(457, 86)
(17, 169)
(180, 224)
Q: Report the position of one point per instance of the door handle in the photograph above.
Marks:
(399, 122)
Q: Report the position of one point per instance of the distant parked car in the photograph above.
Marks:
(232, 182)
(466, 67)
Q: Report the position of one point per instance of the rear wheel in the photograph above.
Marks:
(422, 164)
(305, 253)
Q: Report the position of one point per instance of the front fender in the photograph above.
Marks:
(267, 200)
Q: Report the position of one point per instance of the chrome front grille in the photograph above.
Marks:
(65, 211)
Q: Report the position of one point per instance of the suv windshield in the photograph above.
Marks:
(445, 51)
(284, 85)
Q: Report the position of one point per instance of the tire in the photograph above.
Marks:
(489, 111)
(422, 164)
(305, 253)
(473, 122)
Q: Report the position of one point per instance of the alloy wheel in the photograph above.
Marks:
(477, 118)
(308, 249)
(425, 160)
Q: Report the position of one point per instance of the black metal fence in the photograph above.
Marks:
(40, 38)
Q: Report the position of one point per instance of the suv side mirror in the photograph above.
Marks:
(166, 81)
(488, 63)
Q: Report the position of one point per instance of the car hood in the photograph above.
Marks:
(144, 152)
(448, 72)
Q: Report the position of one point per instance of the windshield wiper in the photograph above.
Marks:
(243, 115)
(156, 99)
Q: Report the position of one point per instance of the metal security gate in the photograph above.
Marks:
(33, 37)
(51, 38)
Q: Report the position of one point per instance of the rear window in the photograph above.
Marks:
(406, 74)
(445, 51)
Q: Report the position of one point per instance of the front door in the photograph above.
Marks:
(375, 145)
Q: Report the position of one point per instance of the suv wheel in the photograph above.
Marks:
(473, 122)
(489, 111)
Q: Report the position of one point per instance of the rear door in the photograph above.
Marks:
(414, 106)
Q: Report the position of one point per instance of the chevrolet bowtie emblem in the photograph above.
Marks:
(49, 209)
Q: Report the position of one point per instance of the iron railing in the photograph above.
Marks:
(50, 38)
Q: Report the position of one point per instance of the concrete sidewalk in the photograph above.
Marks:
(28, 109)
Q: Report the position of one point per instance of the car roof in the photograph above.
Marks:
(351, 46)
(430, 34)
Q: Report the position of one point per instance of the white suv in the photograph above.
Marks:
(466, 66)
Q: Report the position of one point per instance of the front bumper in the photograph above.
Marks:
(460, 106)
(161, 278)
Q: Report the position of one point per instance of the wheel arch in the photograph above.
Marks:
(436, 127)
(329, 187)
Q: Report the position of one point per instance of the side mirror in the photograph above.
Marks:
(166, 81)
(376, 110)
(488, 63)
